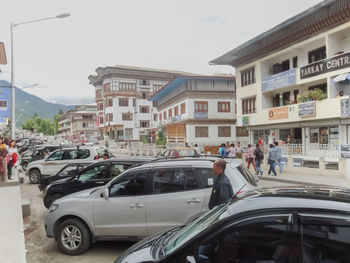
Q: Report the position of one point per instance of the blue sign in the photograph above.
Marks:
(279, 80)
(4, 104)
(201, 115)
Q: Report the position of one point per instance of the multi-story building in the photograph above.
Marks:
(124, 111)
(80, 122)
(293, 80)
(198, 109)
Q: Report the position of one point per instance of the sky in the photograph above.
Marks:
(58, 55)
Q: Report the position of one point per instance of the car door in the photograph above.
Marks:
(94, 176)
(177, 198)
(324, 237)
(207, 178)
(49, 165)
(124, 212)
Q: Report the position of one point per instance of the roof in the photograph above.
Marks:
(298, 28)
(4, 83)
(183, 79)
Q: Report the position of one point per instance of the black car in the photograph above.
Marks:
(289, 225)
(96, 174)
(67, 171)
(38, 153)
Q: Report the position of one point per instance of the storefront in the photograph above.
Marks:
(324, 135)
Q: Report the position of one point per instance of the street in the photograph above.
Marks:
(41, 249)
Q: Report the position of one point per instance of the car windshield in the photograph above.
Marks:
(195, 228)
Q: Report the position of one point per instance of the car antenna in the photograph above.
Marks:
(239, 191)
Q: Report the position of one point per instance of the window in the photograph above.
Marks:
(107, 86)
(69, 170)
(224, 131)
(117, 169)
(174, 180)
(170, 113)
(200, 106)
(164, 115)
(317, 54)
(124, 86)
(144, 109)
(87, 117)
(83, 154)
(144, 95)
(123, 102)
(114, 85)
(176, 111)
(127, 116)
(129, 134)
(183, 108)
(295, 62)
(241, 132)
(109, 117)
(248, 76)
(55, 156)
(224, 106)
(100, 106)
(101, 120)
(95, 173)
(144, 124)
(134, 102)
(156, 88)
(129, 184)
(155, 117)
(98, 93)
(160, 116)
(207, 176)
(248, 106)
(70, 154)
(201, 132)
(110, 102)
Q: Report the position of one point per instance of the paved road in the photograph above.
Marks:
(41, 249)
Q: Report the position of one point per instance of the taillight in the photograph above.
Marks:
(96, 157)
(240, 192)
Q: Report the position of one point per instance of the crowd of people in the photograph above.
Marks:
(8, 158)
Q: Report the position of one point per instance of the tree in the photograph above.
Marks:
(39, 125)
(161, 140)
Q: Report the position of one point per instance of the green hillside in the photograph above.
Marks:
(27, 105)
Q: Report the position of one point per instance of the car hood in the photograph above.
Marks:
(36, 162)
(63, 180)
(79, 195)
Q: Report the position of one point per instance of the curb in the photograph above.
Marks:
(276, 179)
(9, 183)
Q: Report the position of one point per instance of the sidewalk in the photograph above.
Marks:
(12, 246)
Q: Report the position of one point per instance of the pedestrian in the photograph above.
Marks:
(278, 156)
(222, 150)
(12, 155)
(222, 189)
(251, 157)
(272, 160)
(232, 151)
(107, 144)
(259, 157)
(3, 164)
(105, 155)
(198, 149)
(239, 150)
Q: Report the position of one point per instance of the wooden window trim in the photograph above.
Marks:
(223, 109)
(202, 106)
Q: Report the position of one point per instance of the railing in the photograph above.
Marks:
(312, 150)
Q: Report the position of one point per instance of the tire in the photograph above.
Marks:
(50, 198)
(73, 237)
(34, 176)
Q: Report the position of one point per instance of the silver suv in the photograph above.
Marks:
(141, 201)
(59, 158)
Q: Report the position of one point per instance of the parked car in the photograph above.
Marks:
(142, 201)
(69, 170)
(96, 174)
(38, 153)
(59, 158)
(285, 224)
(180, 153)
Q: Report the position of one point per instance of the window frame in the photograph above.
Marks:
(249, 105)
(183, 108)
(201, 106)
(195, 132)
(121, 102)
(220, 134)
(224, 106)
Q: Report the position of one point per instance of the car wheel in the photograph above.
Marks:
(73, 237)
(50, 198)
(34, 176)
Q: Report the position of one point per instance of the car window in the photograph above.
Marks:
(81, 166)
(168, 180)
(69, 170)
(262, 240)
(83, 154)
(70, 154)
(117, 169)
(101, 151)
(129, 184)
(206, 176)
(324, 242)
(247, 175)
(36, 153)
(95, 173)
(55, 156)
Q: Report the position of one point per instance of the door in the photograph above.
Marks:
(177, 198)
(97, 175)
(124, 212)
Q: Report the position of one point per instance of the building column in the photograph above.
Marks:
(342, 130)
(303, 139)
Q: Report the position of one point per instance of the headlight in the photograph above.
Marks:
(53, 207)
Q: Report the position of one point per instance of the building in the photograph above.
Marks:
(283, 74)
(124, 111)
(80, 122)
(198, 109)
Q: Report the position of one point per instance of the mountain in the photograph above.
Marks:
(27, 105)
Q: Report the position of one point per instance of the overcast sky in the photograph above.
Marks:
(185, 35)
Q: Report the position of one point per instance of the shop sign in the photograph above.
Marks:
(298, 162)
(201, 115)
(278, 113)
(345, 108)
(279, 80)
(307, 109)
(326, 65)
(245, 121)
(284, 160)
(4, 104)
(345, 150)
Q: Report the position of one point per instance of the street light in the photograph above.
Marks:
(12, 27)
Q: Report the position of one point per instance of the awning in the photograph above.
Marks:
(342, 77)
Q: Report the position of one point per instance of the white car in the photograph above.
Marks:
(61, 157)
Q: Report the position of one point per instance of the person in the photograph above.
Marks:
(3, 166)
(260, 143)
(197, 148)
(232, 151)
(259, 157)
(222, 189)
(107, 144)
(278, 151)
(251, 157)
(12, 155)
(272, 160)
(105, 155)
(46, 152)
(222, 150)
(239, 150)
(289, 139)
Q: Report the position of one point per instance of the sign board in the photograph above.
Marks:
(4, 104)
(307, 109)
(326, 65)
(201, 115)
(284, 160)
(345, 150)
(279, 80)
(245, 121)
(345, 108)
(278, 113)
(298, 162)
(3, 60)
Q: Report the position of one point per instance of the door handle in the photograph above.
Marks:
(136, 205)
(193, 201)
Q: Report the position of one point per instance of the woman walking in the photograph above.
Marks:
(11, 158)
(251, 157)
(3, 164)
(259, 157)
(272, 160)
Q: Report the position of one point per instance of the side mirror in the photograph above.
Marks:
(105, 193)
(190, 259)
